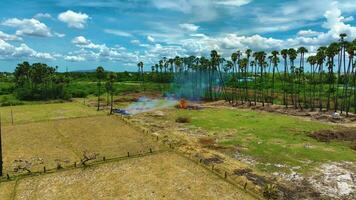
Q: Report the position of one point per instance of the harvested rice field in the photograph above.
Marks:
(49, 143)
(43, 112)
(158, 176)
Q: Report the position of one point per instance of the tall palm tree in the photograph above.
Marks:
(312, 61)
(234, 57)
(275, 61)
(100, 75)
(302, 51)
(112, 80)
(342, 61)
(284, 54)
(248, 53)
(351, 49)
(331, 52)
(320, 56)
(292, 53)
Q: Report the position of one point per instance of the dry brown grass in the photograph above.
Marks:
(159, 176)
(66, 140)
(42, 112)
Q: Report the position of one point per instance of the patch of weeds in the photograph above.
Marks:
(183, 120)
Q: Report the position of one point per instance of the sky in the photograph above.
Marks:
(117, 34)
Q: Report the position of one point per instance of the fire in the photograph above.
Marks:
(183, 104)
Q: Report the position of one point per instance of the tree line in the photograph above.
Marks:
(325, 80)
(38, 81)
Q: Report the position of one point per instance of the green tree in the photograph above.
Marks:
(100, 75)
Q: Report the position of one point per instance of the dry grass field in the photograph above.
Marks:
(159, 176)
(42, 112)
(64, 141)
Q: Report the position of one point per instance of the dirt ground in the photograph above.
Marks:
(64, 141)
(160, 176)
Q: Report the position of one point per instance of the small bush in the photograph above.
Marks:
(183, 120)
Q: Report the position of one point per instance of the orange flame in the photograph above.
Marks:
(183, 104)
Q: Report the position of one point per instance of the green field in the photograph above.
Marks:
(268, 137)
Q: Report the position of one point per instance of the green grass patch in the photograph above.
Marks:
(269, 137)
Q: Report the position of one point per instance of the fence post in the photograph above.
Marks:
(75, 164)
(225, 174)
(150, 150)
(128, 154)
(44, 169)
(104, 158)
(12, 117)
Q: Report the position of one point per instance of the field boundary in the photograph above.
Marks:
(76, 165)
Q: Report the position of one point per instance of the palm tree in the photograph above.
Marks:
(351, 49)
(302, 51)
(248, 53)
(234, 57)
(112, 80)
(284, 54)
(140, 71)
(320, 56)
(292, 53)
(100, 75)
(312, 61)
(331, 52)
(342, 61)
(275, 61)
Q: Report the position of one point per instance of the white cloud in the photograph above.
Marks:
(42, 15)
(118, 32)
(60, 35)
(189, 27)
(232, 2)
(74, 58)
(99, 52)
(136, 42)
(8, 37)
(80, 40)
(308, 33)
(31, 27)
(150, 38)
(73, 19)
(8, 51)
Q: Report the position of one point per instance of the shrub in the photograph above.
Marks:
(183, 120)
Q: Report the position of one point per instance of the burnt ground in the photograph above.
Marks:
(345, 134)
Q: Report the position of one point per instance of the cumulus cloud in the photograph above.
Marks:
(189, 27)
(308, 33)
(99, 52)
(31, 27)
(8, 51)
(8, 37)
(118, 33)
(76, 58)
(74, 19)
(42, 15)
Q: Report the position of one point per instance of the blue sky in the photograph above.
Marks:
(80, 35)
